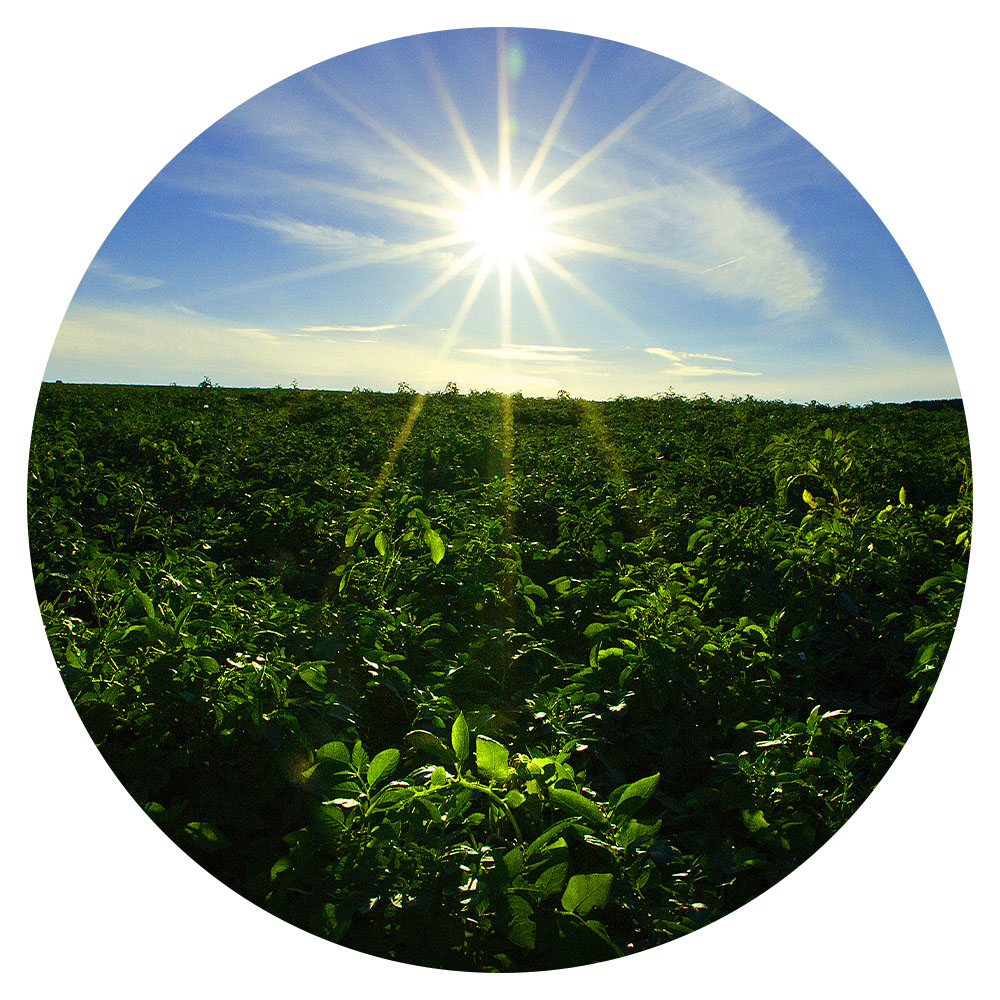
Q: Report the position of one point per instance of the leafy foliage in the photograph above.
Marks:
(496, 684)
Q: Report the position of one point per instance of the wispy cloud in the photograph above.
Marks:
(700, 371)
(354, 329)
(257, 331)
(313, 234)
(734, 247)
(132, 282)
(678, 355)
(679, 364)
(530, 352)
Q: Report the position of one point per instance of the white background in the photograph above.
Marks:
(99, 96)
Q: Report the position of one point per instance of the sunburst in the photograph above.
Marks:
(505, 225)
(501, 225)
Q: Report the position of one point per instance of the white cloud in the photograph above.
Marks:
(354, 329)
(699, 230)
(314, 234)
(132, 282)
(679, 355)
(700, 371)
(744, 251)
(530, 352)
(680, 366)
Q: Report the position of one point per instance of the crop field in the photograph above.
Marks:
(491, 683)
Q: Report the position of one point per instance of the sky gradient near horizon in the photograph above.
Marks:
(524, 210)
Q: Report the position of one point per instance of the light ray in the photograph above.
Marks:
(560, 116)
(507, 579)
(393, 253)
(472, 294)
(475, 286)
(607, 250)
(572, 212)
(455, 268)
(507, 425)
(503, 113)
(397, 446)
(568, 278)
(391, 201)
(503, 274)
(610, 455)
(601, 147)
(536, 296)
(507, 451)
(418, 159)
(475, 164)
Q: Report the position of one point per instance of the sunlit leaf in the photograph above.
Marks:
(492, 759)
(382, 766)
(435, 544)
(586, 892)
(573, 802)
(460, 738)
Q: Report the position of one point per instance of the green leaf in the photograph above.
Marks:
(358, 757)
(381, 543)
(546, 836)
(602, 939)
(382, 766)
(513, 862)
(205, 836)
(552, 878)
(314, 674)
(157, 630)
(146, 602)
(492, 759)
(520, 926)
(812, 723)
(634, 831)
(334, 751)
(628, 800)
(754, 820)
(279, 866)
(586, 892)
(460, 738)
(391, 796)
(435, 544)
(514, 798)
(576, 804)
(595, 628)
(429, 745)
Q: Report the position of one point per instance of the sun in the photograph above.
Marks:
(504, 225)
(499, 226)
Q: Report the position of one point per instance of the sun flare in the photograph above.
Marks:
(504, 224)
(508, 222)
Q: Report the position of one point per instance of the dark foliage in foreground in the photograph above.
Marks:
(495, 684)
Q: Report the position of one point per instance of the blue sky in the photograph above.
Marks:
(364, 223)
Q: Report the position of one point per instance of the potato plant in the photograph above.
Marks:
(536, 683)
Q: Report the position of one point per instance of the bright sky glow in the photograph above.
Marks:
(505, 225)
(511, 209)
